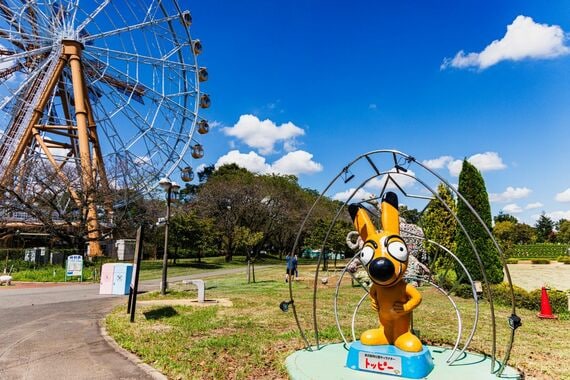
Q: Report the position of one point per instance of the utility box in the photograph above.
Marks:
(122, 278)
(106, 283)
(116, 278)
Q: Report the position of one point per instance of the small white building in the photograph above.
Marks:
(125, 249)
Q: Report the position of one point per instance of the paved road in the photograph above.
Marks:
(52, 332)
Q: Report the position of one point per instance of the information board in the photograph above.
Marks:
(74, 267)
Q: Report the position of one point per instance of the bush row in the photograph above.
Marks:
(528, 300)
(544, 250)
(560, 259)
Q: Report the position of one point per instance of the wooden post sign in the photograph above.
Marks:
(74, 267)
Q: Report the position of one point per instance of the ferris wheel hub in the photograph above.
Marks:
(72, 46)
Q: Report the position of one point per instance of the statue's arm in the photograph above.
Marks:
(415, 298)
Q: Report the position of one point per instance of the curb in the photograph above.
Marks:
(151, 371)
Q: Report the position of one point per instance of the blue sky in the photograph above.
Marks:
(304, 87)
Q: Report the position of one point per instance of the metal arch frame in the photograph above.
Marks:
(408, 160)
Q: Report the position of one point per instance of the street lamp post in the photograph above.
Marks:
(170, 188)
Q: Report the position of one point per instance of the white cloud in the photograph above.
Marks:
(563, 196)
(455, 167)
(250, 161)
(438, 163)
(200, 167)
(372, 106)
(534, 205)
(215, 124)
(557, 215)
(263, 135)
(298, 162)
(487, 161)
(510, 194)
(401, 179)
(360, 195)
(483, 161)
(289, 146)
(512, 208)
(524, 39)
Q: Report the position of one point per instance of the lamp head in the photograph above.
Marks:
(165, 184)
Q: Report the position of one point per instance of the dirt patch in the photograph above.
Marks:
(534, 276)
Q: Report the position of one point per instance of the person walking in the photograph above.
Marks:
(295, 269)
(289, 269)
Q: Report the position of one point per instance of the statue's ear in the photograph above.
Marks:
(362, 221)
(390, 213)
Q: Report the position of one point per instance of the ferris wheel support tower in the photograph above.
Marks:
(83, 134)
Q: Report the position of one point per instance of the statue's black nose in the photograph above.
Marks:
(381, 269)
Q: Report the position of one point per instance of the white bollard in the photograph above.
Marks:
(201, 288)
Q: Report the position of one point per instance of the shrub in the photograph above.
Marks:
(564, 259)
(463, 291)
(540, 261)
(501, 294)
(512, 261)
(446, 278)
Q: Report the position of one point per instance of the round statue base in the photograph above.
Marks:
(329, 362)
(388, 359)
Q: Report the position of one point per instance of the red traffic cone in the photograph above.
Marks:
(545, 309)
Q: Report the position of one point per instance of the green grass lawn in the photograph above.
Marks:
(150, 269)
(251, 339)
(50, 273)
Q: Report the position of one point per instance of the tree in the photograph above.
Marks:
(502, 217)
(411, 216)
(544, 227)
(472, 188)
(505, 232)
(227, 197)
(559, 223)
(524, 234)
(195, 235)
(564, 231)
(439, 225)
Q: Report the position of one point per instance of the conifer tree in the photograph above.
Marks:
(438, 225)
(472, 188)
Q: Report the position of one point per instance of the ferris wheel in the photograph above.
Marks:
(101, 96)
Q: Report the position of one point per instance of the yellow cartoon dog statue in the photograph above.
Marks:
(390, 348)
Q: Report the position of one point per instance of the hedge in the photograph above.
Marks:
(543, 250)
(528, 300)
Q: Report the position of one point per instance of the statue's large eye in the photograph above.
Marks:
(398, 250)
(366, 254)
